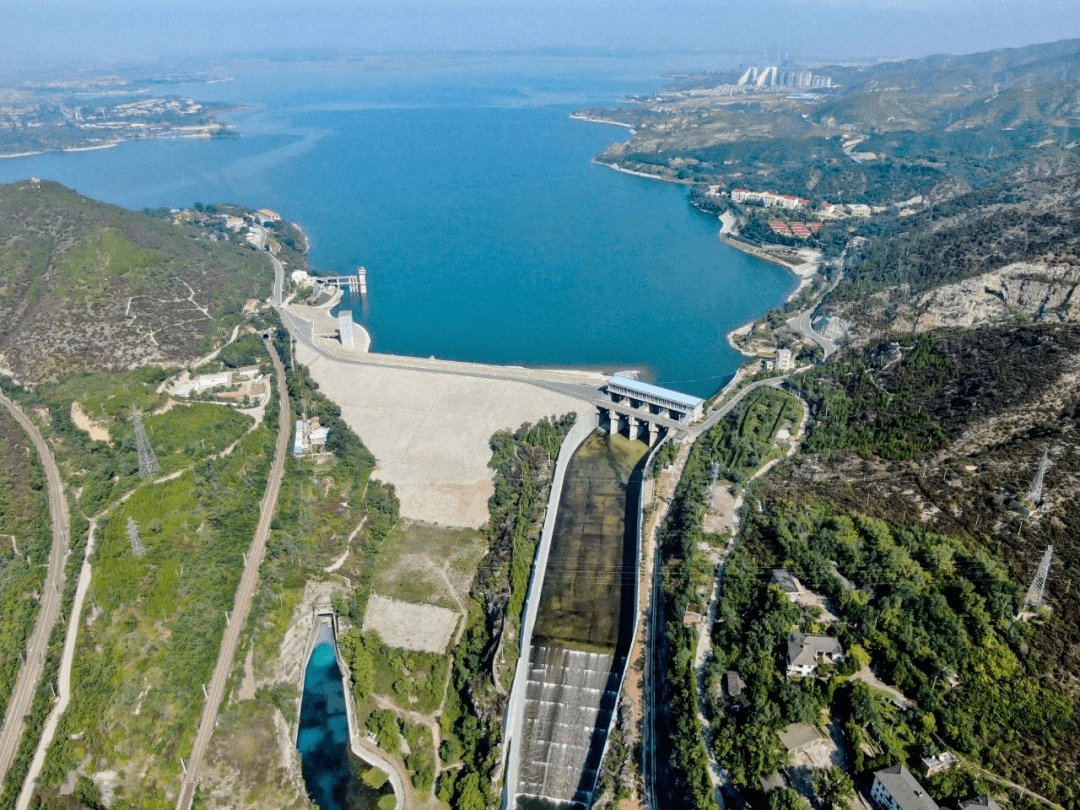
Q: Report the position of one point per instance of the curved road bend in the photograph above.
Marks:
(244, 593)
(801, 322)
(34, 662)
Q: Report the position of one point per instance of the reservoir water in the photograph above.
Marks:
(466, 189)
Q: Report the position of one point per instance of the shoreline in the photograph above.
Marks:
(804, 272)
(646, 175)
(592, 119)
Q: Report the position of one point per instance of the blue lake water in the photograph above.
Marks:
(323, 738)
(468, 192)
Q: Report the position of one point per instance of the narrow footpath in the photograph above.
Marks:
(248, 582)
(52, 591)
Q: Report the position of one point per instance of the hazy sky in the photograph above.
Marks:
(95, 32)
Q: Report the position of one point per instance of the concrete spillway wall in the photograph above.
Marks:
(565, 700)
(515, 707)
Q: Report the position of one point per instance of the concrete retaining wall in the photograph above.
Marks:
(324, 630)
(515, 707)
(646, 473)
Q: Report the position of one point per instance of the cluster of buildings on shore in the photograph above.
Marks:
(790, 202)
(775, 77)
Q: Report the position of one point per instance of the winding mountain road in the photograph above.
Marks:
(52, 591)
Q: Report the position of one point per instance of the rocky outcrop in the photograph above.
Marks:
(1042, 293)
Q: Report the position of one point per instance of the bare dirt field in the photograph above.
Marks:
(411, 627)
(95, 430)
(431, 431)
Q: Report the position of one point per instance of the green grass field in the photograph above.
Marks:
(429, 565)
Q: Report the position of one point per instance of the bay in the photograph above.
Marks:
(466, 189)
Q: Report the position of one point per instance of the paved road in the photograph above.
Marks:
(249, 581)
(34, 661)
(279, 280)
(801, 322)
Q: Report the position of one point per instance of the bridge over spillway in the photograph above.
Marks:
(645, 411)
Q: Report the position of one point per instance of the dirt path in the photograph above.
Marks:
(64, 679)
(34, 662)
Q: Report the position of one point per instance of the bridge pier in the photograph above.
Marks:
(632, 427)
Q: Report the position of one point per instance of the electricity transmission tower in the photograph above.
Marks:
(1034, 597)
(137, 548)
(148, 463)
(1034, 493)
(714, 471)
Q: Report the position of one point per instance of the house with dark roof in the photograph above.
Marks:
(733, 685)
(781, 577)
(895, 788)
(805, 653)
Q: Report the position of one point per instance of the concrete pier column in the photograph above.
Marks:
(613, 421)
(650, 433)
(632, 427)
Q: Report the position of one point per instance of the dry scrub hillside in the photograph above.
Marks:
(88, 286)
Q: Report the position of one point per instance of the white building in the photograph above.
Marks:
(805, 653)
(895, 788)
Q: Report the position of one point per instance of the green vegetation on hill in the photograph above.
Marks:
(89, 286)
(881, 134)
(898, 515)
(931, 615)
(738, 445)
(471, 723)
(25, 539)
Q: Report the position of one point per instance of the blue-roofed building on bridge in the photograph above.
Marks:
(680, 407)
(647, 411)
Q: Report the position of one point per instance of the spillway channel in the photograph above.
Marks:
(584, 626)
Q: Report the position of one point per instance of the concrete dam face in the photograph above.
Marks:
(584, 626)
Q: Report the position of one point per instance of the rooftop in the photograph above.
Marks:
(787, 581)
(905, 789)
(655, 390)
(804, 649)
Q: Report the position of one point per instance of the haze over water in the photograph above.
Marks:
(468, 192)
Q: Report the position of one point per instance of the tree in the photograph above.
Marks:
(787, 799)
(833, 788)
